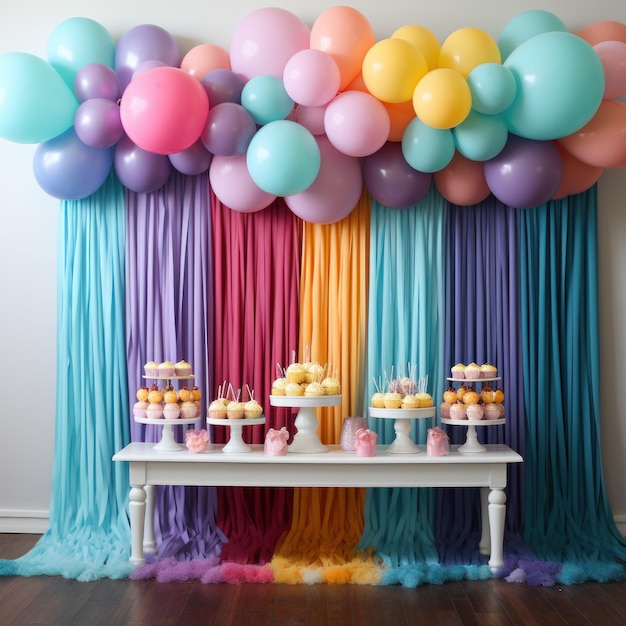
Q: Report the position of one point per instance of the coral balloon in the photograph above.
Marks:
(392, 68)
(577, 176)
(392, 181)
(164, 110)
(612, 55)
(223, 86)
(139, 170)
(605, 30)
(356, 123)
(97, 123)
(265, 40)
(526, 173)
(311, 78)
(346, 35)
(425, 148)
(525, 26)
(400, 115)
(204, 58)
(560, 86)
(266, 99)
(232, 184)
(467, 48)
(96, 81)
(66, 168)
(493, 88)
(424, 40)
(283, 158)
(336, 190)
(602, 141)
(193, 161)
(462, 181)
(442, 99)
(480, 137)
(228, 130)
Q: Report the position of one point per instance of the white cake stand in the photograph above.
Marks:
(472, 444)
(402, 444)
(167, 443)
(236, 442)
(306, 440)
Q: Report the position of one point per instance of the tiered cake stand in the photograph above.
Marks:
(236, 443)
(306, 440)
(402, 444)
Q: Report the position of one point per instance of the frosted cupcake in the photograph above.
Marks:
(278, 386)
(151, 369)
(378, 400)
(217, 408)
(182, 368)
(488, 371)
(393, 400)
(492, 412)
(171, 411)
(252, 409)
(314, 389)
(472, 371)
(294, 389)
(444, 410)
(475, 412)
(166, 369)
(188, 409)
(458, 371)
(235, 410)
(331, 386)
(458, 411)
(140, 408)
(410, 402)
(155, 411)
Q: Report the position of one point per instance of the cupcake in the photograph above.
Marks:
(278, 387)
(410, 401)
(314, 373)
(166, 369)
(331, 386)
(393, 400)
(425, 400)
(188, 409)
(471, 397)
(151, 369)
(170, 396)
(378, 400)
(196, 394)
(154, 411)
(444, 410)
(294, 389)
(475, 412)
(314, 389)
(217, 408)
(296, 373)
(182, 368)
(458, 371)
(492, 412)
(488, 371)
(472, 371)
(171, 411)
(155, 396)
(458, 411)
(142, 394)
(140, 408)
(185, 394)
(235, 410)
(252, 409)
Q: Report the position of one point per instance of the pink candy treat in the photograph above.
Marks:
(197, 440)
(437, 442)
(276, 442)
(366, 442)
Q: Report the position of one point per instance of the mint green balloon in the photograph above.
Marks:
(35, 103)
(427, 149)
(480, 137)
(526, 25)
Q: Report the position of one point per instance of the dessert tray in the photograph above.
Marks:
(402, 444)
(167, 442)
(236, 442)
(472, 444)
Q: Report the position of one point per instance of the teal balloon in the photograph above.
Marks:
(283, 158)
(560, 84)
(492, 87)
(35, 103)
(480, 137)
(266, 99)
(526, 25)
(77, 42)
(427, 149)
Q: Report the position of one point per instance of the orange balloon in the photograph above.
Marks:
(607, 30)
(346, 35)
(399, 115)
(462, 181)
(602, 141)
(204, 58)
(424, 40)
(577, 176)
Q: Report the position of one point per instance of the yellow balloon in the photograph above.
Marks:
(442, 99)
(468, 48)
(391, 69)
(423, 39)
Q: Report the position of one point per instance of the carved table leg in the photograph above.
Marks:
(149, 541)
(137, 512)
(497, 514)
(484, 546)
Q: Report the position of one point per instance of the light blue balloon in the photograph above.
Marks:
(35, 103)
(526, 25)
(480, 137)
(77, 42)
(427, 149)
(560, 84)
(493, 88)
(283, 158)
(266, 99)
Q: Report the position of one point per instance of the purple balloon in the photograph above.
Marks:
(192, 161)
(526, 173)
(223, 86)
(144, 66)
(391, 180)
(228, 130)
(96, 81)
(138, 169)
(144, 43)
(66, 168)
(97, 123)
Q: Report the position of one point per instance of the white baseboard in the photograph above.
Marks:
(620, 522)
(28, 522)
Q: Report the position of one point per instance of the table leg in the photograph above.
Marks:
(137, 512)
(497, 514)
(149, 541)
(484, 546)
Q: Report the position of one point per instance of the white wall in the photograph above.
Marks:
(28, 219)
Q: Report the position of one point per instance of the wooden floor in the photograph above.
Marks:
(55, 600)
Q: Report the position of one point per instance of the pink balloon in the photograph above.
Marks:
(462, 181)
(232, 184)
(265, 40)
(311, 78)
(356, 123)
(336, 190)
(164, 110)
(312, 118)
(612, 55)
(204, 58)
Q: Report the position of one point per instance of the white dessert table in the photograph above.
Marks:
(333, 469)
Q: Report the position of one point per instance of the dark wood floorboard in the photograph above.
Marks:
(52, 601)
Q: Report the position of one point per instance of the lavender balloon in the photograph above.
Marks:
(193, 161)
(223, 86)
(96, 81)
(139, 170)
(228, 130)
(97, 123)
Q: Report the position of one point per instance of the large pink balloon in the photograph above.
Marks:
(311, 78)
(164, 110)
(612, 55)
(265, 40)
(232, 184)
(356, 123)
(336, 190)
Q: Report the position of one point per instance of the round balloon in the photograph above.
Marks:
(312, 118)
(335, 191)
(560, 86)
(228, 130)
(283, 158)
(35, 103)
(400, 115)
(391, 180)
(612, 55)
(427, 149)
(467, 48)
(96, 81)
(77, 42)
(266, 99)
(480, 137)
(526, 173)
(264, 40)
(232, 184)
(442, 98)
(356, 123)
(193, 161)
(139, 170)
(462, 181)
(146, 42)
(424, 40)
(98, 123)
(604, 30)
(223, 86)
(164, 110)
(577, 176)
(346, 35)
(311, 78)
(66, 168)
(204, 58)
(492, 88)
(526, 25)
